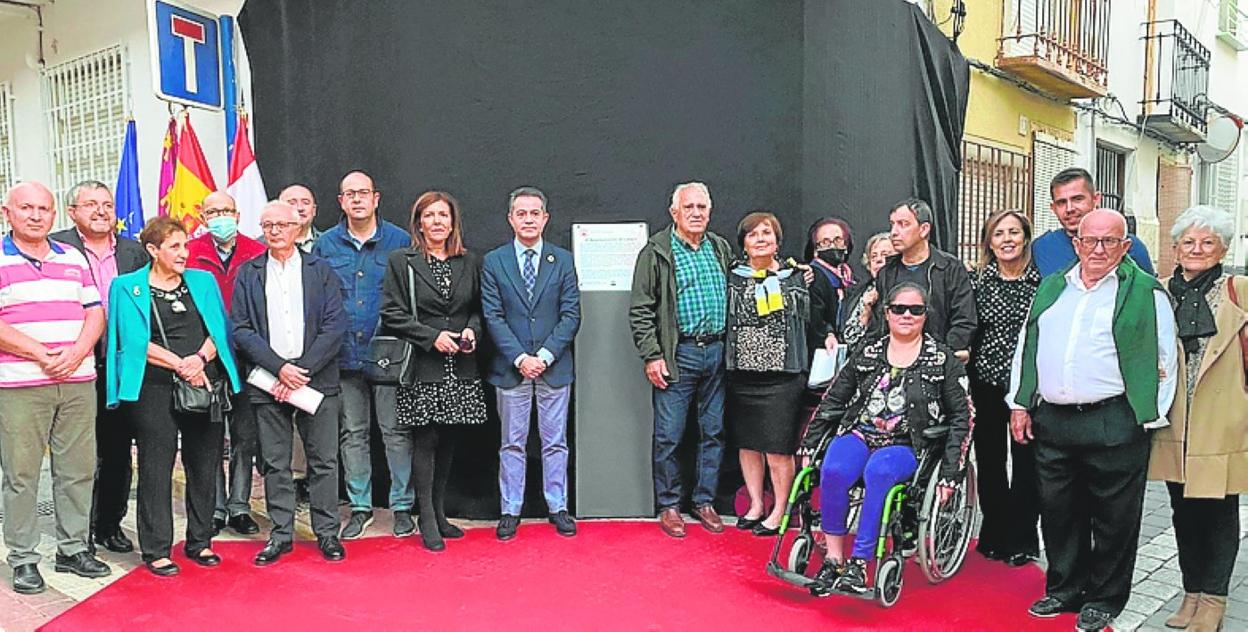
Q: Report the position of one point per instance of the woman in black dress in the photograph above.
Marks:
(1004, 284)
(766, 360)
(443, 325)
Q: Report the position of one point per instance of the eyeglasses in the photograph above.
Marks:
(897, 309)
(1092, 242)
(270, 227)
(835, 242)
(94, 206)
(1188, 245)
(351, 193)
(210, 213)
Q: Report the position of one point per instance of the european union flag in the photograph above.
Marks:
(129, 202)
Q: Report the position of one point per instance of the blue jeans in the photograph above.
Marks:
(701, 370)
(359, 400)
(514, 410)
(849, 459)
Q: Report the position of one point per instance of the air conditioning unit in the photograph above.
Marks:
(1233, 24)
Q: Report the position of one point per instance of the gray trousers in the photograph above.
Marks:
(241, 424)
(320, 443)
(59, 418)
(515, 407)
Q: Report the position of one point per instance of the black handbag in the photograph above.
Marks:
(389, 359)
(189, 399)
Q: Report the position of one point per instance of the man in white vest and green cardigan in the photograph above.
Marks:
(1094, 371)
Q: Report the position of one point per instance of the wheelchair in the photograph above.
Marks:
(943, 531)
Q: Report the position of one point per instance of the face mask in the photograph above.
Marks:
(833, 256)
(223, 228)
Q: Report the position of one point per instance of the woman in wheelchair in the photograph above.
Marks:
(878, 406)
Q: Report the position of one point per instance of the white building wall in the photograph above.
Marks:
(1228, 87)
(73, 28)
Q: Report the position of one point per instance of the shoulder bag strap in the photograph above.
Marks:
(160, 325)
(1243, 337)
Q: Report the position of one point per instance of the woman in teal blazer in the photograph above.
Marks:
(167, 323)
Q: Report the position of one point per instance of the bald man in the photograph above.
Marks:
(50, 319)
(300, 197)
(288, 320)
(223, 251)
(1094, 371)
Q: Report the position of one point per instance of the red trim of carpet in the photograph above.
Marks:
(614, 575)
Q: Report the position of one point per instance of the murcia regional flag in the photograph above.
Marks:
(192, 182)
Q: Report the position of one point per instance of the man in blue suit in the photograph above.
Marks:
(532, 307)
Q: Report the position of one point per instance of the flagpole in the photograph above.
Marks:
(228, 80)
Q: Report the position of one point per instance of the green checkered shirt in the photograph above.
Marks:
(701, 289)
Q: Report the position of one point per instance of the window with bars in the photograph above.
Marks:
(1049, 157)
(85, 109)
(992, 179)
(8, 148)
(1111, 178)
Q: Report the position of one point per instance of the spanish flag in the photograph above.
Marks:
(192, 182)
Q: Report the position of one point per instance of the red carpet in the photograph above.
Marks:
(614, 575)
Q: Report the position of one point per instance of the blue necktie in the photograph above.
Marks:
(530, 275)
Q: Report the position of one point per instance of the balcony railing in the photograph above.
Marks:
(1176, 82)
(1061, 46)
(1233, 23)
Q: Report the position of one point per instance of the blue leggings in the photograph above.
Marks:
(848, 460)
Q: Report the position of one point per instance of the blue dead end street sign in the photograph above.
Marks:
(186, 54)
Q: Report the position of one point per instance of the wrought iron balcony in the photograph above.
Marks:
(1060, 46)
(1176, 82)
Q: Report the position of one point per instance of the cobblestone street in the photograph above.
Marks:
(1157, 591)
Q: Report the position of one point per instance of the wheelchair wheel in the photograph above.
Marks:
(888, 580)
(945, 530)
(799, 554)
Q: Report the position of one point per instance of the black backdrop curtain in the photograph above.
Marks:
(836, 107)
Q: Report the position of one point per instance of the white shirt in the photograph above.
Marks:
(1076, 360)
(283, 299)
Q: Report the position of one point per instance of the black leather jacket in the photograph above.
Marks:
(936, 394)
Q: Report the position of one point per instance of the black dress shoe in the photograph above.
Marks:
(27, 580)
(747, 524)
(272, 552)
(331, 548)
(217, 525)
(763, 530)
(117, 542)
(507, 526)
(1048, 606)
(564, 524)
(82, 564)
(243, 525)
(1020, 559)
(1093, 619)
(168, 570)
(448, 530)
(209, 560)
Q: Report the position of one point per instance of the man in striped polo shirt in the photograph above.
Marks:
(50, 320)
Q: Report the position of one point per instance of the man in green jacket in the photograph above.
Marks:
(678, 312)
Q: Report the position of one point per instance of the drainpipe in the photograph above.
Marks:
(1150, 57)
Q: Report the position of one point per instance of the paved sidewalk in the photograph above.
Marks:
(1157, 591)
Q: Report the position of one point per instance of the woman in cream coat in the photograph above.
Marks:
(1203, 454)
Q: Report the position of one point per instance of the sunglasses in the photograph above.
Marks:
(898, 309)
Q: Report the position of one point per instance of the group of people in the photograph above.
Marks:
(1062, 358)
(171, 343)
(1074, 371)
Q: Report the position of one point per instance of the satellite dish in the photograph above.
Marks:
(1221, 139)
